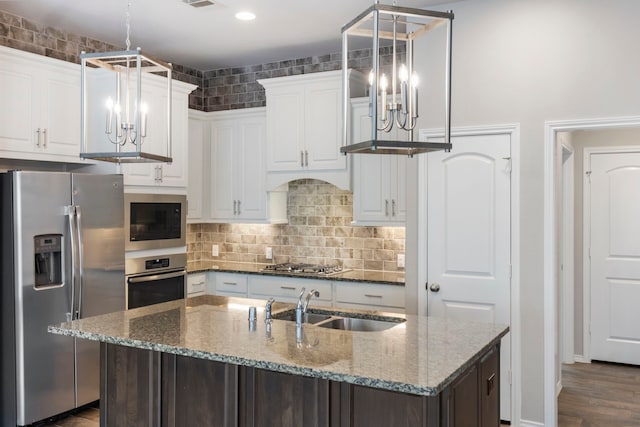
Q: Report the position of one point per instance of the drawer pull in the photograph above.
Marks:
(230, 283)
(288, 288)
(491, 382)
(373, 296)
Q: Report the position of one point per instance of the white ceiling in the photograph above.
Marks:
(209, 37)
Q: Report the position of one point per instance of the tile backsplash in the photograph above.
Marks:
(318, 232)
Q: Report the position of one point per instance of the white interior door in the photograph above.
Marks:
(469, 237)
(615, 257)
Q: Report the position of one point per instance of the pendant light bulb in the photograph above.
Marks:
(403, 73)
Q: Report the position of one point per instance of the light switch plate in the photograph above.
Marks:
(400, 260)
(268, 253)
(215, 251)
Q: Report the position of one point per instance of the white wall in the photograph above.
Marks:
(527, 62)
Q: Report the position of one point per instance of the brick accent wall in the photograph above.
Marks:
(234, 88)
(222, 89)
(23, 34)
(319, 232)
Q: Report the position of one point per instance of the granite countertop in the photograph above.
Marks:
(420, 356)
(370, 276)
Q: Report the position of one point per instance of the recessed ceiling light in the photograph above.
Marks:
(245, 16)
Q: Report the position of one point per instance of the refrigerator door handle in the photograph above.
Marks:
(80, 260)
(71, 213)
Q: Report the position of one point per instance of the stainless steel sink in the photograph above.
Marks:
(356, 324)
(342, 321)
(307, 318)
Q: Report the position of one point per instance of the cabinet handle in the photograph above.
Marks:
(230, 284)
(235, 207)
(301, 159)
(160, 173)
(44, 138)
(393, 207)
(38, 139)
(288, 288)
(386, 208)
(372, 296)
(239, 207)
(306, 158)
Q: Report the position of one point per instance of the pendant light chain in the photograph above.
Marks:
(128, 23)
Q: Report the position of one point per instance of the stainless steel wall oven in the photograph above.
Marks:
(152, 280)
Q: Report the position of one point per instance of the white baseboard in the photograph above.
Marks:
(580, 358)
(527, 423)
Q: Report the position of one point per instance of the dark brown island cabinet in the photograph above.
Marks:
(150, 388)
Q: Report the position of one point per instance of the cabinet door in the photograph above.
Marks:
(60, 112)
(154, 94)
(379, 181)
(17, 108)
(148, 174)
(285, 131)
(398, 193)
(287, 289)
(249, 160)
(196, 168)
(371, 185)
(223, 174)
(371, 296)
(175, 174)
(323, 126)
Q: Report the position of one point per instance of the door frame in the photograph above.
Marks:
(513, 130)
(550, 285)
(566, 292)
(586, 232)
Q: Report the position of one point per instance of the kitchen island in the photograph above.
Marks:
(201, 362)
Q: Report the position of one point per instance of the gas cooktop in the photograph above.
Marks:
(306, 269)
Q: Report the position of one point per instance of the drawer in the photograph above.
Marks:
(230, 282)
(370, 294)
(196, 283)
(287, 288)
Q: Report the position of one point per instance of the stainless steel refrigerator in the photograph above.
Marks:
(61, 258)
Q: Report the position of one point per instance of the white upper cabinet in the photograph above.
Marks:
(39, 107)
(198, 174)
(379, 180)
(173, 176)
(304, 122)
(237, 175)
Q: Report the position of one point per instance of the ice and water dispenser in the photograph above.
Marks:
(48, 260)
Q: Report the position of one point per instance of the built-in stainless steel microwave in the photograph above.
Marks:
(154, 221)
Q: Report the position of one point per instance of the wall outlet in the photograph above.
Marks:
(268, 253)
(400, 260)
(215, 251)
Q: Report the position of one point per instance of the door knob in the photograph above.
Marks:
(434, 287)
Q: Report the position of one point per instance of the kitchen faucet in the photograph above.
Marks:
(301, 307)
(267, 310)
(312, 293)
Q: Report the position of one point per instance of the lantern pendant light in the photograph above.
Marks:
(393, 98)
(112, 87)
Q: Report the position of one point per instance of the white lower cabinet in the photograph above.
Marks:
(370, 296)
(196, 284)
(228, 284)
(287, 289)
(341, 294)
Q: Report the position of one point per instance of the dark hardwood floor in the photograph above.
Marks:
(599, 394)
(85, 417)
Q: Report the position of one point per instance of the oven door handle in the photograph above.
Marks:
(154, 277)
